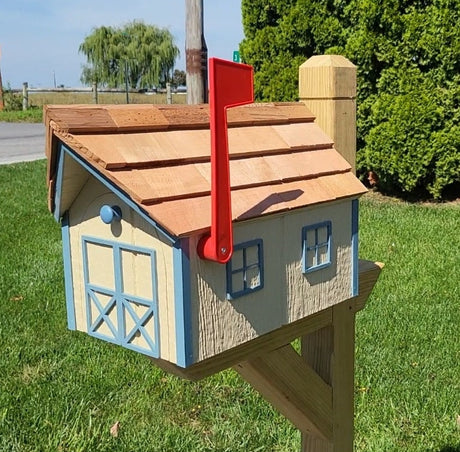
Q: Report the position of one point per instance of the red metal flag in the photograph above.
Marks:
(230, 84)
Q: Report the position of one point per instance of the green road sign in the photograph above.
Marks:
(236, 56)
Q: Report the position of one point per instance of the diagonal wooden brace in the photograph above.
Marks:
(314, 389)
(293, 387)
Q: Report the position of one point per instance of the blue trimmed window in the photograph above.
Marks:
(245, 270)
(316, 246)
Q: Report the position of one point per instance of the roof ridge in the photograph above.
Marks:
(132, 118)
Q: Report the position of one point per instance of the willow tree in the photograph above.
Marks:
(140, 54)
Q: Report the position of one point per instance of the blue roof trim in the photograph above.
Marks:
(354, 247)
(68, 280)
(120, 193)
(183, 311)
(58, 190)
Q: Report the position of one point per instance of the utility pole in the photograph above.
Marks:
(1, 85)
(196, 53)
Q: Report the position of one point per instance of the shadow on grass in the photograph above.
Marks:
(450, 448)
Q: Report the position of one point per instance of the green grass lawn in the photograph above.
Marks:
(62, 391)
(31, 115)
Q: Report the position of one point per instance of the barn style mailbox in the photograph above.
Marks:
(198, 254)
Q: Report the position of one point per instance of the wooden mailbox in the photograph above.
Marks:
(131, 186)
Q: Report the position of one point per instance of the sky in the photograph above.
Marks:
(39, 39)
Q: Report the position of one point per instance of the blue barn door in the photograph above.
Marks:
(121, 294)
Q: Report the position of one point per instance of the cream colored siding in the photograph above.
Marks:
(84, 220)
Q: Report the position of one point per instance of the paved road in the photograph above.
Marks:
(21, 142)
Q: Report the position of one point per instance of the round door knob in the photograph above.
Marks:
(109, 214)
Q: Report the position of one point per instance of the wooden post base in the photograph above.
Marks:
(314, 389)
(330, 352)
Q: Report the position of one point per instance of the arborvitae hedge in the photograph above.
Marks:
(408, 58)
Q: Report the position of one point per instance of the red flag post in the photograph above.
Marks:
(230, 84)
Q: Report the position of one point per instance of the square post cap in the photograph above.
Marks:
(327, 77)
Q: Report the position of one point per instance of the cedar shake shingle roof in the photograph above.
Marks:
(160, 156)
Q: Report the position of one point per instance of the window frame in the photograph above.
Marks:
(316, 246)
(231, 270)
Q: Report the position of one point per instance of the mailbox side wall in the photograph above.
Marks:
(288, 293)
(84, 223)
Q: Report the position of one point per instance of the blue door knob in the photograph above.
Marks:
(109, 214)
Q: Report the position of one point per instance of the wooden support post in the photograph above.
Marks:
(196, 53)
(315, 390)
(25, 96)
(327, 86)
(330, 352)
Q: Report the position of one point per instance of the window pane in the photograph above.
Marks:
(323, 255)
(322, 234)
(252, 255)
(252, 277)
(237, 282)
(311, 258)
(237, 259)
(311, 237)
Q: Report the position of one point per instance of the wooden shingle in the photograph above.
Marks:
(159, 156)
